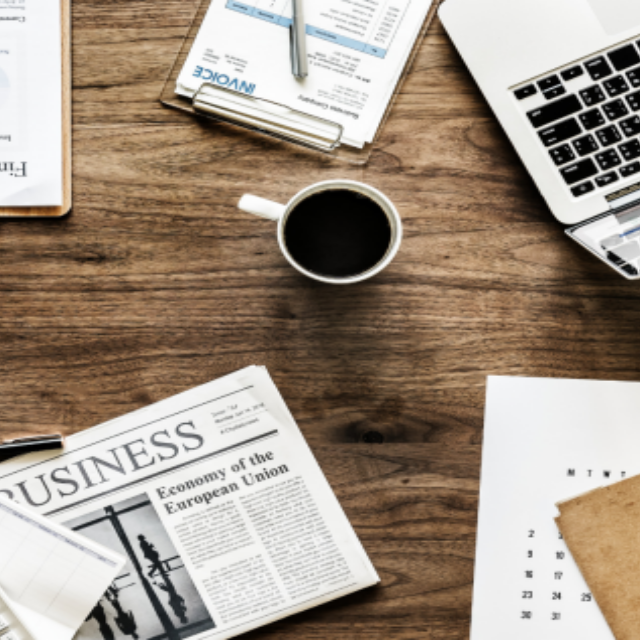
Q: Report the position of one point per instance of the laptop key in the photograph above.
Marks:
(624, 58)
(585, 145)
(621, 263)
(562, 154)
(555, 92)
(571, 74)
(551, 87)
(634, 77)
(579, 171)
(631, 126)
(616, 86)
(554, 111)
(614, 110)
(630, 150)
(592, 119)
(593, 95)
(608, 136)
(525, 92)
(548, 83)
(607, 178)
(630, 169)
(608, 159)
(582, 189)
(634, 101)
(560, 132)
(598, 68)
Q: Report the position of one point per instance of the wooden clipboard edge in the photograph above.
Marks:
(57, 212)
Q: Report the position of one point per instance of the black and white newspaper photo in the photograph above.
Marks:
(154, 597)
(213, 497)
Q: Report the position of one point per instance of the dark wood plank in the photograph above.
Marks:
(156, 283)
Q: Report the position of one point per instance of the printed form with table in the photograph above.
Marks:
(357, 53)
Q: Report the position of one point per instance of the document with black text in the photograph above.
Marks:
(215, 499)
(545, 441)
(31, 155)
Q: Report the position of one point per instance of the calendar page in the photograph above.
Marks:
(545, 441)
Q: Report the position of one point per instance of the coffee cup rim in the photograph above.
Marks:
(359, 187)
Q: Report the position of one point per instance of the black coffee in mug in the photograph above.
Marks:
(337, 233)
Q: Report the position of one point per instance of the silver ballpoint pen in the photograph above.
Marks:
(299, 63)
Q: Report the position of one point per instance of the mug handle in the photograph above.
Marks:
(261, 207)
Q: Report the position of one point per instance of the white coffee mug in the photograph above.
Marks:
(280, 212)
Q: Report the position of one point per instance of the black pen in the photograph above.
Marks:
(12, 448)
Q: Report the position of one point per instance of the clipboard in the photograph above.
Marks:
(56, 212)
(209, 102)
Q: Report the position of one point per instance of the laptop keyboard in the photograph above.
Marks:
(587, 118)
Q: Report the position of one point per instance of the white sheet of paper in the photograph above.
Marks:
(50, 577)
(545, 441)
(30, 103)
(356, 56)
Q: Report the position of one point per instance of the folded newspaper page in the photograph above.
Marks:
(50, 578)
(213, 496)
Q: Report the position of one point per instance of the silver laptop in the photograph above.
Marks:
(563, 77)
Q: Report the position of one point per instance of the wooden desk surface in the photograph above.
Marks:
(156, 283)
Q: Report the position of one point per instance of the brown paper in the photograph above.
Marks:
(602, 530)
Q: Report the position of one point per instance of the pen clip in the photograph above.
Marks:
(28, 439)
(293, 49)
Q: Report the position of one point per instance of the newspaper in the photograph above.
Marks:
(216, 501)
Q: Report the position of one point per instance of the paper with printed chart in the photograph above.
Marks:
(50, 577)
(214, 498)
(357, 53)
(545, 441)
(30, 103)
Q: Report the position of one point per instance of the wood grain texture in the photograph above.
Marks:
(156, 283)
(415, 512)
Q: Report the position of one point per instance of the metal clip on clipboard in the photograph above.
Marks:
(267, 117)
(220, 104)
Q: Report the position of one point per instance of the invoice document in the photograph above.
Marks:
(30, 103)
(545, 441)
(357, 52)
(50, 577)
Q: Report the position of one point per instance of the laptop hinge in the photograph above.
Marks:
(614, 236)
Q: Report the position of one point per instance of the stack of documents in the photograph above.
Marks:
(546, 440)
(357, 54)
(31, 157)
